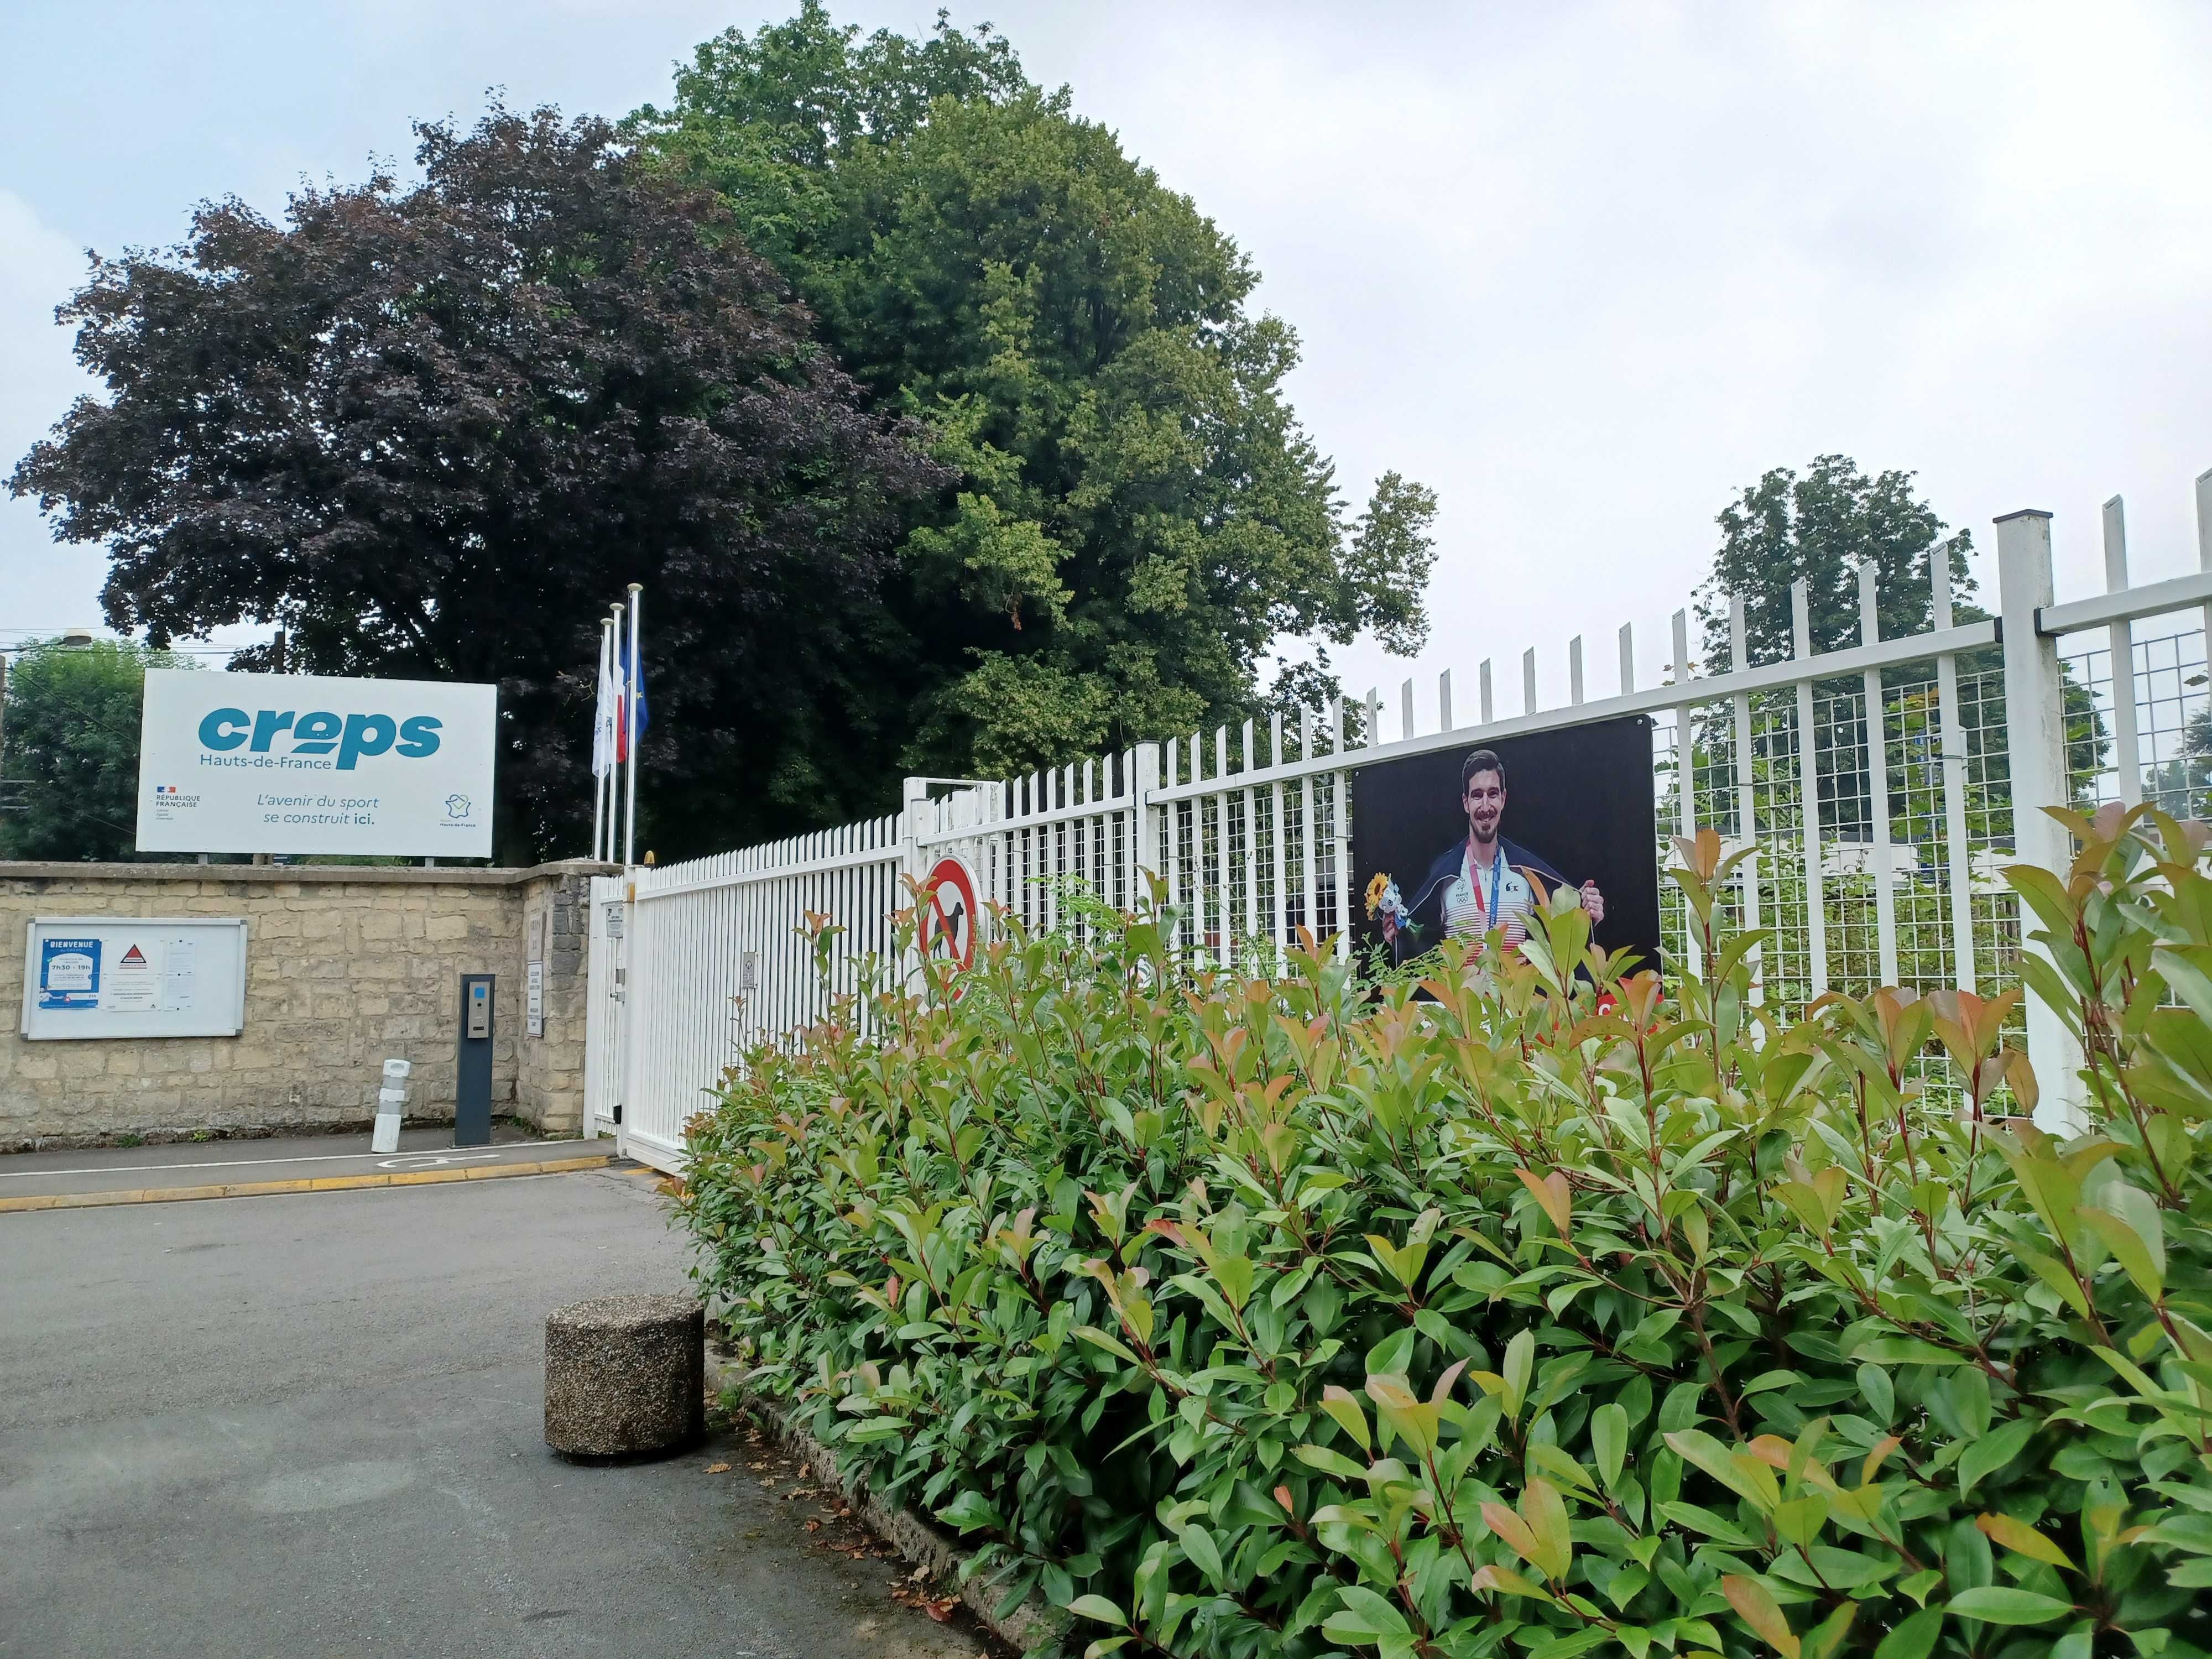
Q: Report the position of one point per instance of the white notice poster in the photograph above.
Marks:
(180, 958)
(134, 978)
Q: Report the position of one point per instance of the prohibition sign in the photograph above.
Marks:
(948, 920)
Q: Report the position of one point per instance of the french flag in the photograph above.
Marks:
(628, 675)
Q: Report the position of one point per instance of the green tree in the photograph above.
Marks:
(433, 430)
(2183, 786)
(1137, 516)
(70, 749)
(1820, 528)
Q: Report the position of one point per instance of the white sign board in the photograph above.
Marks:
(134, 976)
(287, 763)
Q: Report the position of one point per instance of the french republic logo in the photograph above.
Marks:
(133, 957)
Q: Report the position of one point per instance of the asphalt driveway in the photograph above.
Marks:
(297, 1426)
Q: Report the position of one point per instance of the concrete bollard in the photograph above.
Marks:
(625, 1375)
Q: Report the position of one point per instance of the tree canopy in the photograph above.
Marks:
(1820, 528)
(432, 431)
(1137, 518)
(69, 747)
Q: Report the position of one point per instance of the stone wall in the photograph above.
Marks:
(347, 966)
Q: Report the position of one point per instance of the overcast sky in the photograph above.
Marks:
(1585, 269)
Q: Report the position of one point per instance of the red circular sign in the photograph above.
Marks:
(949, 913)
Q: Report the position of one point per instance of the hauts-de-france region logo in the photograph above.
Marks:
(457, 808)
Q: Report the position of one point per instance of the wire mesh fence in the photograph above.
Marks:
(1748, 768)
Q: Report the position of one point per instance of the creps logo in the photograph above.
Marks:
(321, 732)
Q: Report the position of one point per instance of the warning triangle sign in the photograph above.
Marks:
(134, 955)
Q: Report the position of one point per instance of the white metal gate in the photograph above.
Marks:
(712, 957)
(604, 1027)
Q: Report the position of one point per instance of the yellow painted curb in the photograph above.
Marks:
(308, 1184)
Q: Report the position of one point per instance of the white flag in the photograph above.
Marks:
(608, 717)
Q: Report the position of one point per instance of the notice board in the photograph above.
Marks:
(134, 976)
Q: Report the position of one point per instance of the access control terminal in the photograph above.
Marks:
(472, 1066)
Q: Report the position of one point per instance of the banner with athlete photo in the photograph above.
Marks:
(1451, 844)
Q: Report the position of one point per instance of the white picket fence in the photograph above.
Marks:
(1249, 830)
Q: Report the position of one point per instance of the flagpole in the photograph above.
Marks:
(614, 761)
(599, 778)
(630, 727)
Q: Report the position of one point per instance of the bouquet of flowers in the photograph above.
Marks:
(1385, 902)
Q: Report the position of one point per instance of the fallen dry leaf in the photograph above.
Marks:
(718, 1468)
(814, 1526)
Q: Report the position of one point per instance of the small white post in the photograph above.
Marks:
(1877, 760)
(1444, 701)
(1575, 671)
(391, 1106)
(1529, 681)
(2127, 760)
(1627, 658)
(1405, 711)
(1809, 793)
(1484, 680)
(2035, 741)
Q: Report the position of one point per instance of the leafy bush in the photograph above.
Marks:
(1560, 1314)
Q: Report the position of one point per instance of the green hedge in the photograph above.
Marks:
(1302, 1317)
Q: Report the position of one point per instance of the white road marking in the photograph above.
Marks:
(240, 1163)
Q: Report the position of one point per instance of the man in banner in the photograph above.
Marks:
(1482, 882)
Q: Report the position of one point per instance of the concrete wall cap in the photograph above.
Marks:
(397, 875)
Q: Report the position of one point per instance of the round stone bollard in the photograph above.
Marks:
(625, 1375)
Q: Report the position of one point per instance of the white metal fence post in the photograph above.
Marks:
(1686, 777)
(1877, 759)
(634, 994)
(2035, 752)
(1808, 796)
(913, 801)
(1144, 823)
(2203, 563)
(2127, 759)
(1958, 853)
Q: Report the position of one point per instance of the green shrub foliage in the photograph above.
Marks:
(1539, 1313)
